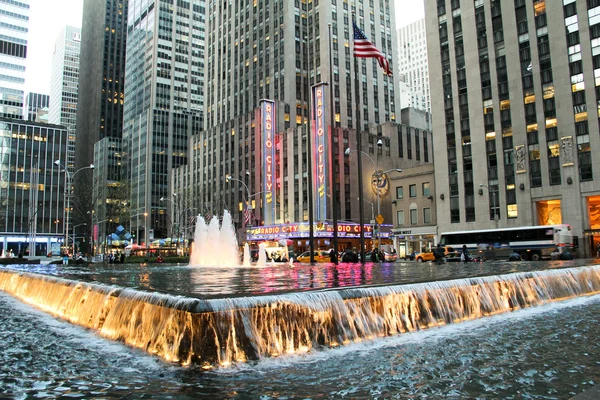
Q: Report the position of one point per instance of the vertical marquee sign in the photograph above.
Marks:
(320, 144)
(268, 150)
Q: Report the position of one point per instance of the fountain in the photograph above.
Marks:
(247, 255)
(222, 331)
(262, 255)
(215, 245)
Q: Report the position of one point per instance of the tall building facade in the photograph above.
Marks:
(412, 63)
(14, 24)
(63, 86)
(34, 104)
(518, 96)
(277, 50)
(100, 101)
(164, 92)
(32, 187)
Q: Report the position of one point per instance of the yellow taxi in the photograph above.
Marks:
(428, 255)
(321, 256)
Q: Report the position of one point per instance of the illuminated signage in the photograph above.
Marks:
(298, 230)
(268, 156)
(321, 151)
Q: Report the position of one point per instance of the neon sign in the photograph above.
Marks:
(320, 148)
(296, 230)
(268, 174)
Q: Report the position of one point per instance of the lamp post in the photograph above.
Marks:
(376, 178)
(74, 228)
(98, 224)
(176, 215)
(492, 194)
(69, 183)
(228, 178)
(372, 212)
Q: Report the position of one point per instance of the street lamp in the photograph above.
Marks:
(228, 178)
(74, 228)
(492, 193)
(372, 212)
(68, 196)
(375, 178)
(176, 215)
(101, 233)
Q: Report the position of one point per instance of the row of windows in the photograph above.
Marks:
(413, 215)
(412, 190)
(13, 49)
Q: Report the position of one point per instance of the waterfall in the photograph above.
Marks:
(218, 332)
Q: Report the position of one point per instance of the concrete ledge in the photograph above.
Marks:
(590, 394)
(10, 261)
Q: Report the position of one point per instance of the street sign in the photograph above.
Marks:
(379, 219)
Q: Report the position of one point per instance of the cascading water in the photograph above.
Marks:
(222, 331)
(215, 245)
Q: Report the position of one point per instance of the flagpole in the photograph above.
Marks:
(334, 192)
(359, 153)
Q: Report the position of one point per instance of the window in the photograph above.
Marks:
(413, 190)
(413, 217)
(400, 216)
(427, 215)
(426, 190)
(399, 192)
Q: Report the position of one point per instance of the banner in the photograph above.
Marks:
(267, 128)
(320, 143)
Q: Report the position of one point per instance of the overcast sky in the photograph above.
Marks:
(48, 17)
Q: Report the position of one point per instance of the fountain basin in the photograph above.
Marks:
(226, 330)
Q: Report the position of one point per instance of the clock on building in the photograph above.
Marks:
(380, 183)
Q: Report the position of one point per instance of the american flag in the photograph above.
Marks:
(208, 216)
(363, 48)
(247, 215)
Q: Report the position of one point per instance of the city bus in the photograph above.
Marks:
(531, 242)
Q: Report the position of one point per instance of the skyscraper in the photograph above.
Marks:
(35, 102)
(63, 87)
(14, 23)
(412, 63)
(516, 106)
(163, 89)
(277, 50)
(100, 102)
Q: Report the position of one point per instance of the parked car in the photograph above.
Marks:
(320, 256)
(454, 256)
(428, 255)
(390, 257)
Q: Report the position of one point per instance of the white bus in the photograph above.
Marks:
(531, 242)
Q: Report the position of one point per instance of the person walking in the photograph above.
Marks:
(598, 250)
(333, 256)
(465, 254)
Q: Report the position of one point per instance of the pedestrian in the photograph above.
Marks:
(333, 256)
(439, 253)
(465, 254)
(598, 250)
